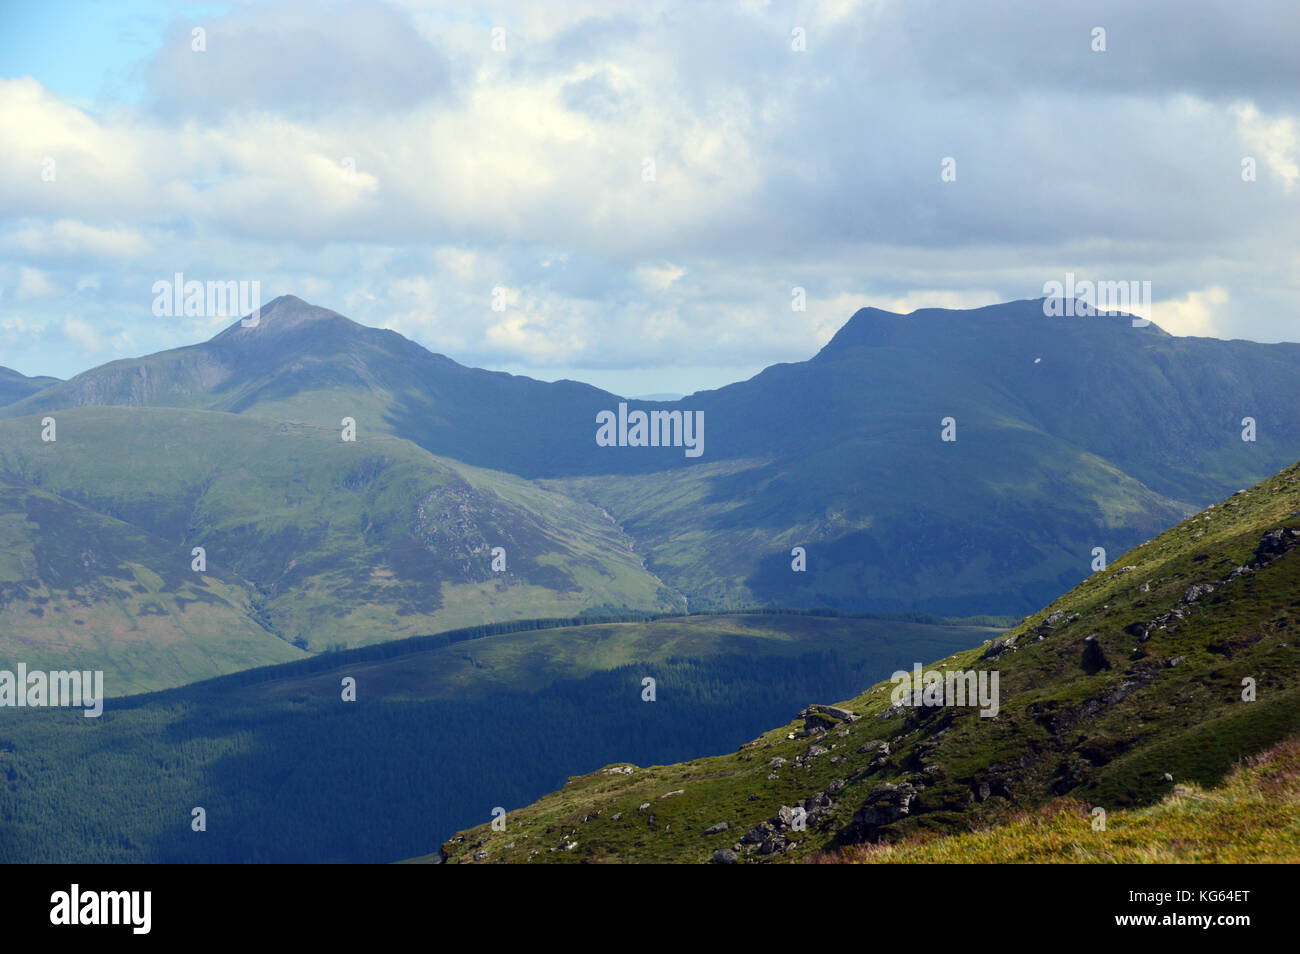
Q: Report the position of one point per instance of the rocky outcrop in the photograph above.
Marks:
(1000, 645)
(844, 715)
(777, 834)
(1275, 543)
(819, 719)
(1059, 723)
(886, 804)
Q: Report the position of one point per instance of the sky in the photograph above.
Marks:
(640, 196)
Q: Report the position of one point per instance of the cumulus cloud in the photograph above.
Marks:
(385, 160)
(1277, 139)
(32, 284)
(82, 334)
(1195, 315)
(297, 58)
(67, 238)
(659, 277)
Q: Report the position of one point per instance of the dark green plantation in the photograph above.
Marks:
(443, 730)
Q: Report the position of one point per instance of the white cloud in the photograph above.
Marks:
(1194, 315)
(659, 277)
(532, 338)
(67, 238)
(463, 263)
(34, 284)
(1277, 140)
(523, 169)
(82, 334)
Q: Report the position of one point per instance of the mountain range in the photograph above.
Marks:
(1066, 435)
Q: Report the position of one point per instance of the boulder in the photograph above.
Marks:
(999, 646)
(886, 804)
(1275, 543)
(844, 715)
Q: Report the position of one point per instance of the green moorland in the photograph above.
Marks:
(1167, 668)
(311, 543)
(81, 590)
(443, 729)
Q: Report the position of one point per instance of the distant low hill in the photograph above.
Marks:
(15, 386)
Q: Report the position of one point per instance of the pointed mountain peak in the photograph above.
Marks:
(871, 312)
(868, 326)
(279, 316)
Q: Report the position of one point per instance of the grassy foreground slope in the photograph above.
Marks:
(442, 730)
(1166, 668)
(1253, 817)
